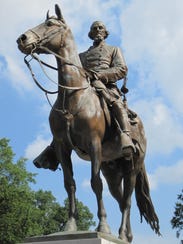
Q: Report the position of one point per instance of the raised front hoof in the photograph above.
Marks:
(103, 227)
(71, 225)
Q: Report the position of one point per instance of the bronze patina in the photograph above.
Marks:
(106, 65)
(78, 121)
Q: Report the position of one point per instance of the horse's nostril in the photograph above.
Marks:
(22, 38)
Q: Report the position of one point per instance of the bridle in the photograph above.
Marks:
(40, 45)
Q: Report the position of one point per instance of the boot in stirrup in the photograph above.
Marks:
(128, 147)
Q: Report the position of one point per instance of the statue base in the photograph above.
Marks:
(79, 237)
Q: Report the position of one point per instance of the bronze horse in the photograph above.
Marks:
(78, 122)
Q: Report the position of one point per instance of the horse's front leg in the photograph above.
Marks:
(97, 186)
(125, 232)
(64, 156)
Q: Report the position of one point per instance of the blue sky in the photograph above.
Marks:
(150, 33)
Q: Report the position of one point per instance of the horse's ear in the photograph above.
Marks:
(58, 12)
(47, 15)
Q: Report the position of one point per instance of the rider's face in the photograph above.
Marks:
(98, 31)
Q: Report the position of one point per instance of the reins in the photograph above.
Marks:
(64, 87)
(41, 63)
(34, 78)
(45, 64)
(68, 116)
(40, 44)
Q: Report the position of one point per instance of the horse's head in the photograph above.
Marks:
(49, 34)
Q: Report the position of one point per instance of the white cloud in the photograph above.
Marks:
(163, 127)
(36, 147)
(152, 38)
(33, 13)
(20, 80)
(169, 175)
(152, 34)
(86, 184)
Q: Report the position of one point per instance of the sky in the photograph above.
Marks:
(150, 34)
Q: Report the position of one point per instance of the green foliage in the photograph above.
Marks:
(84, 219)
(53, 217)
(25, 213)
(48, 212)
(177, 220)
(15, 196)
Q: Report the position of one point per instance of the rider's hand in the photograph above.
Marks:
(102, 76)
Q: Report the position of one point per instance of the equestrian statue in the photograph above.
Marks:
(90, 117)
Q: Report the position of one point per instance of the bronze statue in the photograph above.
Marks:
(106, 65)
(78, 122)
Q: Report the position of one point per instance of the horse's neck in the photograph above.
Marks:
(70, 72)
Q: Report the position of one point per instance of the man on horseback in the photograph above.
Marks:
(105, 65)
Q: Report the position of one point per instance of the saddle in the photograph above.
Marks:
(134, 121)
(47, 159)
(106, 108)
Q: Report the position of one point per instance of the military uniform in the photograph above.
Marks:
(108, 63)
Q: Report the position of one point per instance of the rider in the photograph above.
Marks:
(106, 65)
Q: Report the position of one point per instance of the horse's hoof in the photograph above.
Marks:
(130, 238)
(104, 228)
(71, 225)
(124, 239)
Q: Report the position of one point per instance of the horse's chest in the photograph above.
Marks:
(58, 123)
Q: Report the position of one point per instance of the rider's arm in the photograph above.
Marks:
(117, 69)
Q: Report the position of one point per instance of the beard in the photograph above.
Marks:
(98, 38)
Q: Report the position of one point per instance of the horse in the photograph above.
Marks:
(78, 122)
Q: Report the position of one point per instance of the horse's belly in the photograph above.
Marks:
(111, 150)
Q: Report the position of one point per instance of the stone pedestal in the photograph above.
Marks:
(80, 237)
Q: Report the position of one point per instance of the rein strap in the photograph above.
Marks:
(35, 80)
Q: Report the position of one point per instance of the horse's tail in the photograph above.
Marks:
(144, 201)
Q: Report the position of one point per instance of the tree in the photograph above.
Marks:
(84, 219)
(49, 211)
(24, 212)
(177, 220)
(16, 197)
(53, 217)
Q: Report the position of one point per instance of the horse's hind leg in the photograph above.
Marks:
(113, 175)
(125, 232)
(64, 156)
(113, 178)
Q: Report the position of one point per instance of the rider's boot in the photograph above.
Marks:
(121, 116)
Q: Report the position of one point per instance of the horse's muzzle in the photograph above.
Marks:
(26, 44)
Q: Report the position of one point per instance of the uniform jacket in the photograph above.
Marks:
(106, 60)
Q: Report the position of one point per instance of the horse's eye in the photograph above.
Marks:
(49, 23)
